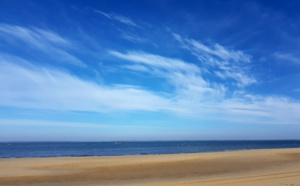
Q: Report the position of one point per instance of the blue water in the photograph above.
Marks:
(69, 149)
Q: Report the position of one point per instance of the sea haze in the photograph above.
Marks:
(77, 149)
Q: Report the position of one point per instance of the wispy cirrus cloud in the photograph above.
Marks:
(117, 17)
(217, 50)
(44, 88)
(184, 77)
(157, 61)
(46, 41)
(133, 38)
(39, 87)
(226, 64)
(207, 100)
(35, 36)
(287, 57)
(262, 110)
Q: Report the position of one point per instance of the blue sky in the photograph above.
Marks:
(149, 70)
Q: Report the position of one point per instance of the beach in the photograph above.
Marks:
(245, 167)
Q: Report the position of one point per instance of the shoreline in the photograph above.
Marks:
(241, 167)
(149, 154)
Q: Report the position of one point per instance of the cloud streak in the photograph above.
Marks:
(46, 41)
(133, 38)
(210, 100)
(119, 18)
(226, 64)
(192, 95)
(42, 88)
(157, 61)
(287, 57)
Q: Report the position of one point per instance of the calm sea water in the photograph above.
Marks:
(68, 149)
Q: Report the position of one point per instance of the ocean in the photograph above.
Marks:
(79, 149)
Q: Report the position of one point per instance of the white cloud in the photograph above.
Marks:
(207, 100)
(241, 78)
(117, 17)
(157, 61)
(36, 87)
(226, 64)
(55, 46)
(185, 77)
(217, 50)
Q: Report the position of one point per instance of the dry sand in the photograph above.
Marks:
(250, 167)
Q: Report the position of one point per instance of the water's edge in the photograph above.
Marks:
(90, 149)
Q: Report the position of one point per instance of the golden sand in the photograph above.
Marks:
(250, 167)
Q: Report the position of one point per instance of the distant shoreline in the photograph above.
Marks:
(90, 156)
(130, 141)
(119, 148)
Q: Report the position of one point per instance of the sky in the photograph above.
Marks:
(149, 70)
